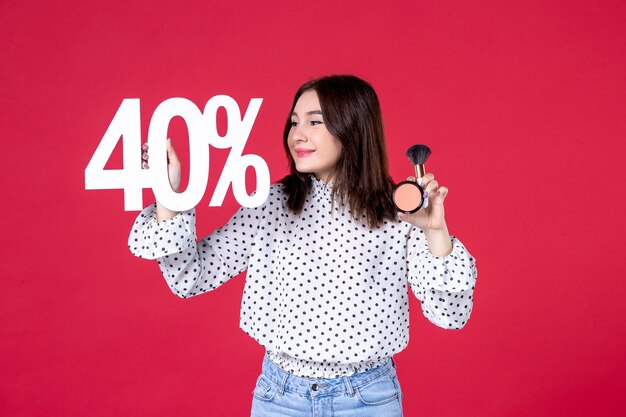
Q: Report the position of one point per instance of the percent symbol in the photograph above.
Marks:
(202, 127)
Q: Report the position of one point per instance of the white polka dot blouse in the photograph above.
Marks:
(325, 294)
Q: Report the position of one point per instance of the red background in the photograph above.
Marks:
(523, 104)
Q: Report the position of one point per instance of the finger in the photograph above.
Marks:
(144, 156)
(431, 188)
(441, 194)
(172, 158)
(410, 179)
(427, 178)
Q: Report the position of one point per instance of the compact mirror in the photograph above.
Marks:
(407, 197)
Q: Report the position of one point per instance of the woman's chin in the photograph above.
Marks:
(304, 169)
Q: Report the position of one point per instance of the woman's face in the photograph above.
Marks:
(312, 147)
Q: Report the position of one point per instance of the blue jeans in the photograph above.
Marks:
(365, 394)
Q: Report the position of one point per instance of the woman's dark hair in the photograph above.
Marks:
(351, 113)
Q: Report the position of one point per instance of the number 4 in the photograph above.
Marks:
(131, 178)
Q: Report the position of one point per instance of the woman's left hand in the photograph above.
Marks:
(431, 218)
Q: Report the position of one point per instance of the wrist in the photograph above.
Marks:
(439, 241)
(435, 230)
(164, 213)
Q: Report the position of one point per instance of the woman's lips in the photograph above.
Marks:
(303, 153)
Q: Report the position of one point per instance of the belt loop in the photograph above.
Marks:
(393, 363)
(281, 389)
(346, 381)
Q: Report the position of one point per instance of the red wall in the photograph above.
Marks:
(523, 104)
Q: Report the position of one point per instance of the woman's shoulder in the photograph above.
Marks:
(277, 191)
(276, 196)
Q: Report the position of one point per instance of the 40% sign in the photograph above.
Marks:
(202, 126)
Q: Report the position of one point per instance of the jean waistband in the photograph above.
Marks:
(286, 381)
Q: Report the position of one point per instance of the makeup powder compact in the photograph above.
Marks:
(408, 196)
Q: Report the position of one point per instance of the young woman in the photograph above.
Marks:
(327, 258)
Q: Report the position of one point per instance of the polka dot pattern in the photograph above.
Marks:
(325, 294)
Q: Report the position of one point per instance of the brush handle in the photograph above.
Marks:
(425, 204)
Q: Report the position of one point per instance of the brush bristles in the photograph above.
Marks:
(418, 154)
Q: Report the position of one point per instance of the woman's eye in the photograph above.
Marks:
(316, 122)
(294, 123)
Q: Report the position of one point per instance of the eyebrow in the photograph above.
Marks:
(308, 113)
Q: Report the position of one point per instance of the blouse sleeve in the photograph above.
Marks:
(443, 284)
(189, 267)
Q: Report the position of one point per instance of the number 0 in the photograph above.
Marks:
(198, 153)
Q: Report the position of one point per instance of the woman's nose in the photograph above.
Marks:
(298, 134)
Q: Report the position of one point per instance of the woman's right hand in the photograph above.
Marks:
(173, 164)
(173, 171)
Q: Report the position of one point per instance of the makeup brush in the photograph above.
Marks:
(418, 154)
